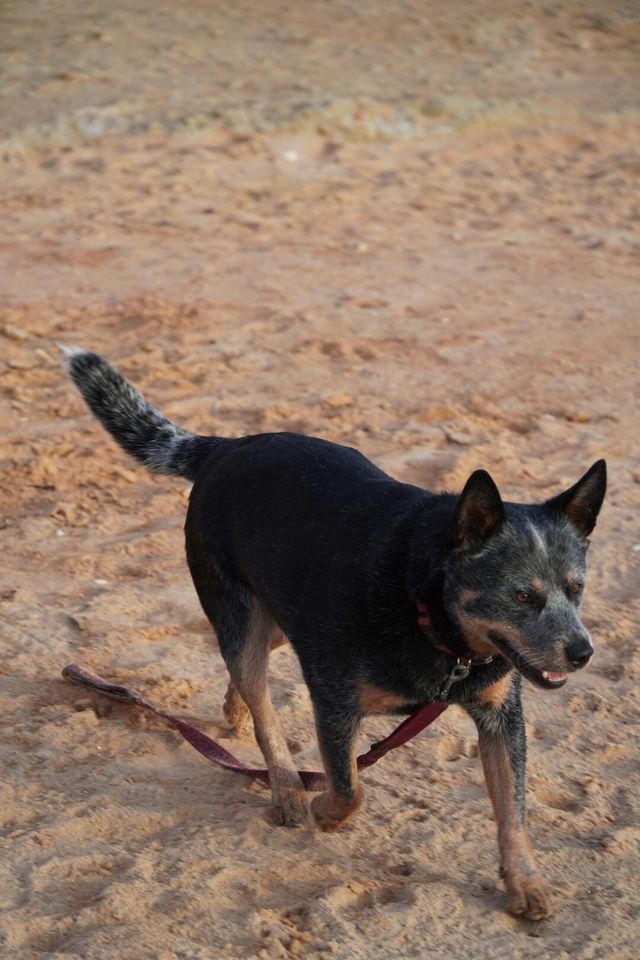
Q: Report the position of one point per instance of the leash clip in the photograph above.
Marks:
(459, 671)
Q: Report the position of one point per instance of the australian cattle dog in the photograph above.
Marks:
(381, 588)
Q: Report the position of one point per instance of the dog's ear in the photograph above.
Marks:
(581, 503)
(479, 510)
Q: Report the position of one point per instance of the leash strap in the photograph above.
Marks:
(215, 752)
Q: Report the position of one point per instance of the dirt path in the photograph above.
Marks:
(414, 232)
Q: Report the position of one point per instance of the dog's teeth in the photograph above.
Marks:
(553, 676)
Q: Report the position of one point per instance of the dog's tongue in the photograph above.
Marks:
(554, 677)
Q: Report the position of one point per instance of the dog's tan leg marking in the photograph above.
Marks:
(375, 700)
(278, 640)
(342, 799)
(236, 712)
(497, 693)
(527, 892)
(330, 810)
(250, 680)
(330, 813)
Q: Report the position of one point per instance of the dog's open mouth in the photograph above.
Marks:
(549, 679)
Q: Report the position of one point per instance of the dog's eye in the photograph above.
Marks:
(576, 588)
(522, 597)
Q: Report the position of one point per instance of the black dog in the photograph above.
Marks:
(385, 591)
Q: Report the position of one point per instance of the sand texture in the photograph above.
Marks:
(408, 227)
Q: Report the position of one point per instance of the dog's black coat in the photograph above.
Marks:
(338, 552)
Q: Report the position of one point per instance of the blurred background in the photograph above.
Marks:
(411, 227)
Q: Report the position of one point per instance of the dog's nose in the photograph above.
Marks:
(579, 651)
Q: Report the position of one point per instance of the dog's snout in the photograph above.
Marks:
(579, 651)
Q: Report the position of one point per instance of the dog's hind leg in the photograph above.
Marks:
(236, 711)
(337, 725)
(247, 665)
(246, 633)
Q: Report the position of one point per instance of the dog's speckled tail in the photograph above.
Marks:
(138, 427)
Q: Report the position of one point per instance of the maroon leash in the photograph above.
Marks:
(213, 751)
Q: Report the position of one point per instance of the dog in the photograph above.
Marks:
(390, 595)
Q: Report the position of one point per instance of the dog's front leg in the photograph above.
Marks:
(337, 725)
(502, 743)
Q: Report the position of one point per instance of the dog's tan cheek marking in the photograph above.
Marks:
(476, 631)
(373, 699)
(467, 597)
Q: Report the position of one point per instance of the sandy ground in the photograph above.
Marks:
(412, 228)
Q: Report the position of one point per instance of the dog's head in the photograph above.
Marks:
(515, 576)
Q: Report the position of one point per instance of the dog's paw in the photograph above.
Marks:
(330, 814)
(290, 808)
(528, 897)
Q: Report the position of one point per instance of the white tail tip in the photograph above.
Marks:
(69, 352)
